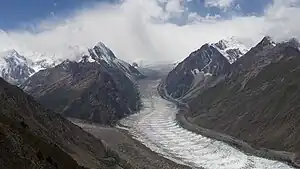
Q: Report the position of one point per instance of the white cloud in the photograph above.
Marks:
(137, 30)
(283, 16)
(175, 6)
(219, 3)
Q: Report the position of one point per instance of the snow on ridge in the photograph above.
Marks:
(107, 54)
(36, 61)
(100, 53)
(231, 49)
(14, 67)
(11, 58)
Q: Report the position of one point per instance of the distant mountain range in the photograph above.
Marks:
(16, 68)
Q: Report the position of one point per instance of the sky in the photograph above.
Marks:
(150, 30)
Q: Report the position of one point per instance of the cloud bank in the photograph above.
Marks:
(139, 30)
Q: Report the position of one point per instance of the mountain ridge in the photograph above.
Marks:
(256, 101)
(99, 87)
(209, 60)
(34, 62)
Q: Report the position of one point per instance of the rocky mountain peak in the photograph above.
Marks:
(199, 65)
(13, 56)
(266, 41)
(231, 49)
(294, 43)
(101, 52)
(104, 56)
(14, 67)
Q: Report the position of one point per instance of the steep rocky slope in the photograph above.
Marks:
(259, 103)
(34, 137)
(258, 100)
(85, 90)
(100, 87)
(210, 60)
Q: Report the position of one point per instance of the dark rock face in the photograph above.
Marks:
(85, 90)
(14, 68)
(34, 137)
(205, 61)
(258, 101)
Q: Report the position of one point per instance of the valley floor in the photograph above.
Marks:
(132, 154)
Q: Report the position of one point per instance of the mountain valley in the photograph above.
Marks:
(249, 95)
(150, 84)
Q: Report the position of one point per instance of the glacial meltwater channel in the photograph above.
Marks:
(156, 127)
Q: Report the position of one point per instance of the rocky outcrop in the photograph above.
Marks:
(34, 137)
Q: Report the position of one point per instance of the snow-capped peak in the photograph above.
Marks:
(99, 53)
(103, 55)
(12, 58)
(14, 67)
(231, 49)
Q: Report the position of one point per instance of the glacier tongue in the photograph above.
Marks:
(157, 128)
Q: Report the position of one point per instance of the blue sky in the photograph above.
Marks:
(242, 7)
(16, 14)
